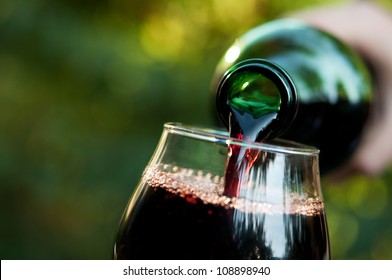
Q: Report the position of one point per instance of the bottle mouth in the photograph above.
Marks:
(272, 93)
(218, 136)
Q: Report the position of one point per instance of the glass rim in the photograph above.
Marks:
(220, 136)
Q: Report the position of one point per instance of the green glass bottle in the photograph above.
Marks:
(323, 101)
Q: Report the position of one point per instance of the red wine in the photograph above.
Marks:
(182, 214)
(256, 100)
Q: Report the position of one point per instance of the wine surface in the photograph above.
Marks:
(183, 214)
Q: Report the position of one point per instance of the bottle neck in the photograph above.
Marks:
(256, 100)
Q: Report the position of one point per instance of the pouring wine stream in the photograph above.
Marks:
(256, 100)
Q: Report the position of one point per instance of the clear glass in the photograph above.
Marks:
(179, 209)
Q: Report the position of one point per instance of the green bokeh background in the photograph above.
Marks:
(85, 87)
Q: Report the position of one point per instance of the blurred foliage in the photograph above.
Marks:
(85, 87)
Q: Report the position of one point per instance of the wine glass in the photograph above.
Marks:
(180, 209)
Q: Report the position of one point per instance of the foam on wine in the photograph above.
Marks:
(195, 185)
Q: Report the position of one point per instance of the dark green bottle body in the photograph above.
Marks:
(332, 83)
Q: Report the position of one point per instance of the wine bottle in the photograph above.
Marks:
(322, 88)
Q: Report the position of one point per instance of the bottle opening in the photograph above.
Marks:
(257, 99)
